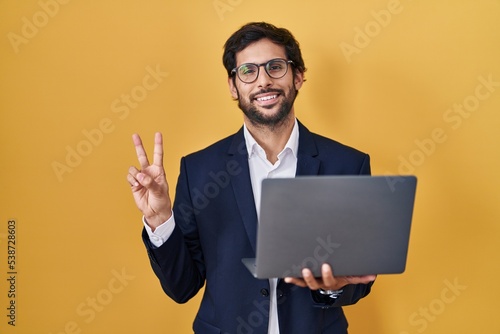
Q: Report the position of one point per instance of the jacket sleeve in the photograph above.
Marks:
(179, 263)
(351, 295)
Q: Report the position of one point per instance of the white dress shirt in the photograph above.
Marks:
(260, 168)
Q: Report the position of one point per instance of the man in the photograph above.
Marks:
(214, 219)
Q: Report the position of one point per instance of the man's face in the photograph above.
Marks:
(266, 101)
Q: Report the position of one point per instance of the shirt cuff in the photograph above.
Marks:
(161, 233)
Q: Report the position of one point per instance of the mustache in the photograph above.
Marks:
(264, 91)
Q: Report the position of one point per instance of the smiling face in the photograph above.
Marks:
(266, 101)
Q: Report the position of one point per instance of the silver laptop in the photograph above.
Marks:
(360, 225)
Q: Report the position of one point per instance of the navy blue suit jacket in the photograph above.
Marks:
(216, 224)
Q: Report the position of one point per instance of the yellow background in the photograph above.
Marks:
(78, 230)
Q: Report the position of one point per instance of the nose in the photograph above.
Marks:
(263, 80)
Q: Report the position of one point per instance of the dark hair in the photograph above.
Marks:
(255, 31)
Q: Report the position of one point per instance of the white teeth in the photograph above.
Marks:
(266, 98)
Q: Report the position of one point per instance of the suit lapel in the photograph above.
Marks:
(307, 163)
(242, 186)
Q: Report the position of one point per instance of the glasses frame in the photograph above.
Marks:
(235, 71)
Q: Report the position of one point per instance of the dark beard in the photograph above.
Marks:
(259, 118)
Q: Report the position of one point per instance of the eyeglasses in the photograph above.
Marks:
(275, 68)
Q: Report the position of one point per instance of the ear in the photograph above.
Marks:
(232, 87)
(298, 79)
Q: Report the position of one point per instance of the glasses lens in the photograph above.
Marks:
(276, 68)
(248, 72)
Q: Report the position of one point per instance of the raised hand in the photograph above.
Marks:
(149, 184)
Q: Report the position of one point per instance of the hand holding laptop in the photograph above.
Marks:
(327, 281)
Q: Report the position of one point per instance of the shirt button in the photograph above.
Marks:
(264, 292)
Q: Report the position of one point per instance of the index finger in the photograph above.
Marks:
(141, 153)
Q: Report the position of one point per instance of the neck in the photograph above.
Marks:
(272, 138)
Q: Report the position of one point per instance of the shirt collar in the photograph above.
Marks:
(292, 143)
